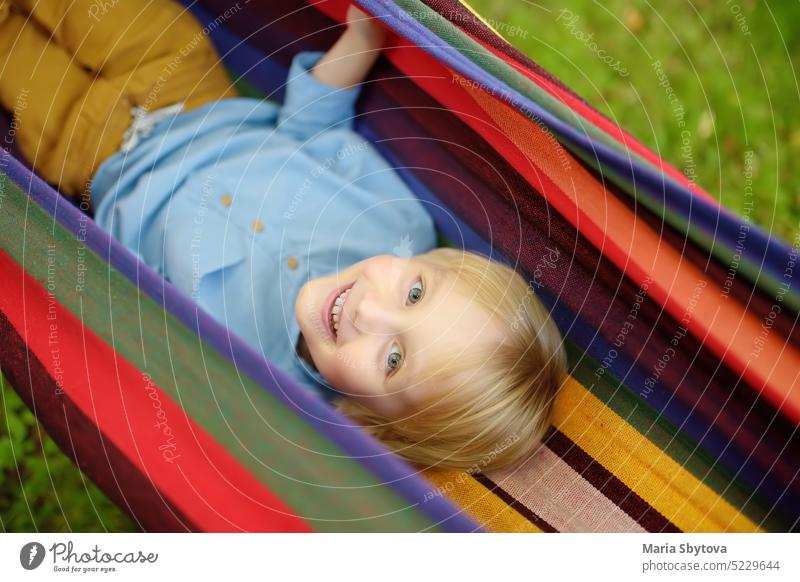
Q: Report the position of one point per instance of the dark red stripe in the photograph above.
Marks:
(609, 485)
(514, 503)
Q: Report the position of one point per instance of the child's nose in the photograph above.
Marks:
(374, 315)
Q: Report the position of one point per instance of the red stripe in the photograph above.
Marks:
(336, 9)
(207, 485)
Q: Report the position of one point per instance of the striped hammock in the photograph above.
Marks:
(682, 407)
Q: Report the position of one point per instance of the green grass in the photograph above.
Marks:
(41, 488)
(739, 93)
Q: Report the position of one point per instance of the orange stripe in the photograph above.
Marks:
(596, 119)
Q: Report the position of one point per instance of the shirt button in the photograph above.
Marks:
(258, 226)
(226, 200)
(291, 262)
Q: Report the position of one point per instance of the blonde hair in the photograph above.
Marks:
(494, 404)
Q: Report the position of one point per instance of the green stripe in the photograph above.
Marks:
(662, 433)
(498, 68)
(307, 471)
(501, 70)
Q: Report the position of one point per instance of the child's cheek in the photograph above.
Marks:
(336, 369)
(349, 373)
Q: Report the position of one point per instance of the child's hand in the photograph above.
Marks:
(349, 60)
(366, 26)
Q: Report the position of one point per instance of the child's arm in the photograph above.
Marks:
(349, 60)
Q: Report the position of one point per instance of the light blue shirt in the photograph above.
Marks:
(240, 202)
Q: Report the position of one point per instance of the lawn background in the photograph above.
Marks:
(732, 66)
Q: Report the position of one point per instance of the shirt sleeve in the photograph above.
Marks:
(312, 106)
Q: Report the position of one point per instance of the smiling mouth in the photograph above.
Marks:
(337, 310)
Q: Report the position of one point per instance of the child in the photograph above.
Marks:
(283, 223)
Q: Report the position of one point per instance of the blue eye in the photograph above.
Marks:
(416, 292)
(394, 360)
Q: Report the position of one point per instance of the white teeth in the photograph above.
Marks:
(337, 308)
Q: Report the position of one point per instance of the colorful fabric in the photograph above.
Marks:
(682, 407)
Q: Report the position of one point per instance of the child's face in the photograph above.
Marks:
(397, 314)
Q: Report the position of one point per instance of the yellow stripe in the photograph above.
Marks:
(481, 18)
(642, 466)
(485, 507)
